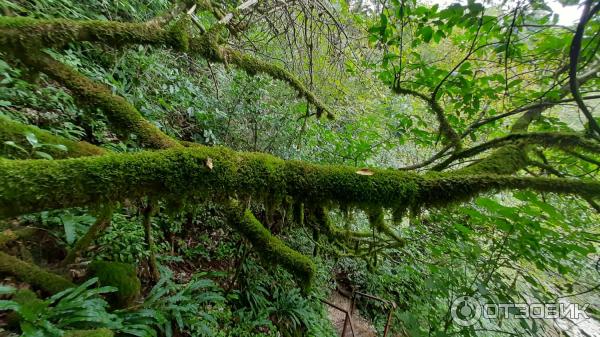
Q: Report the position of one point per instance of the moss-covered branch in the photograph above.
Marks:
(270, 248)
(121, 114)
(444, 127)
(89, 333)
(252, 65)
(29, 33)
(521, 141)
(14, 131)
(30, 186)
(34, 275)
(23, 35)
(147, 213)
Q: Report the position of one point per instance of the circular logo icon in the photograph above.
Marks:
(465, 311)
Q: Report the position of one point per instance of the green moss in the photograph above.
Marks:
(299, 213)
(90, 333)
(377, 221)
(207, 45)
(271, 249)
(512, 153)
(179, 33)
(253, 66)
(30, 186)
(34, 275)
(29, 33)
(7, 236)
(506, 160)
(11, 130)
(122, 115)
(27, 186)
(376, 218)
(321, 222)
(120, 275)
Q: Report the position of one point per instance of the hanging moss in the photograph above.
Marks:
(271, 249)
(11, 130)
(345, 238)
(34, 275)
(321, 222)
(120, 275)
(377, 221)
(299, 213)
(30, 186)
(376, 218)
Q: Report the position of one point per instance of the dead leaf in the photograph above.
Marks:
(365, 172)
(209, 163)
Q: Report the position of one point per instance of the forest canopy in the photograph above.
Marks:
(259, 168)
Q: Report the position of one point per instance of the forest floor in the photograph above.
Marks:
(362, 327)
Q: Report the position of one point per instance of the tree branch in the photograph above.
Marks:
(31, 186)
(14, 131)
(586, 15)
(547, 139)
(32, 274)
(270, 248)
(22, 35)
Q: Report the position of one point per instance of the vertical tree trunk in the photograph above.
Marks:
(152, 264)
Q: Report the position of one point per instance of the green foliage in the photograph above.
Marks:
(36, 148)
(267, 304)
(496, 250)
(80, 307)
(123, 241)
(189, 307)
